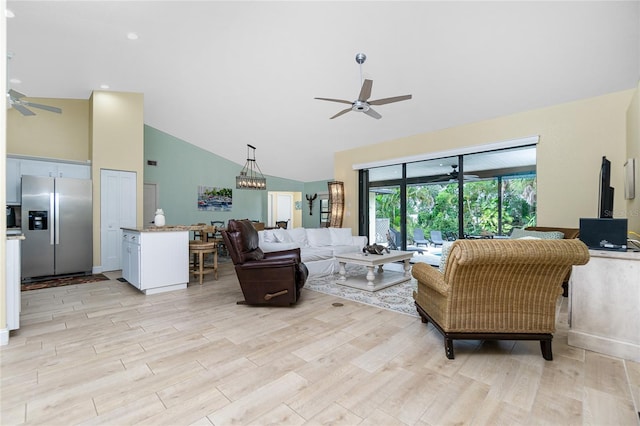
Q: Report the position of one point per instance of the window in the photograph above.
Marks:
(479, 194)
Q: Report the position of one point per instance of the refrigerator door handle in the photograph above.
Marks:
(56, 217)
(51, 210)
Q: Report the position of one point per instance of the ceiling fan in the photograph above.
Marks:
(16, 99)
(453, 175)
(363, 104)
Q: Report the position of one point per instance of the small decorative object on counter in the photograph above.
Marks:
(159, 219)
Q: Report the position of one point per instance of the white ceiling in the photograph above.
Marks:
(221, 75)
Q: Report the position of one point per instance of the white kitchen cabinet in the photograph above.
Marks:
(54, 169)
(13, 181)
(13, 282)
(155, 261)
(16, 167)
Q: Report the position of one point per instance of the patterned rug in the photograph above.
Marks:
(59, 282)
(397, 298)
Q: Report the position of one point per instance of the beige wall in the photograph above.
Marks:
(107, 129)
(116, 143)
(633, 151)
(573, 138)
(47, 134)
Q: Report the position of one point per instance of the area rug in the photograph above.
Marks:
(59, 282)
(398, 298)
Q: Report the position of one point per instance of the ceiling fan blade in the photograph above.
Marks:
(390, 100)
(344, 111)
(45, 107)
(23, 110)
(342, 101)
(372, 113)
(15, 94)
(365, 92)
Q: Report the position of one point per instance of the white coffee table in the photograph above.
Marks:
(374, 281)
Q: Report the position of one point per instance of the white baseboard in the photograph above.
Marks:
(4, 337)
(96, 269)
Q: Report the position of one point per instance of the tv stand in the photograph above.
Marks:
(604, 315)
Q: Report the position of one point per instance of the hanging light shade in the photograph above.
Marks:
(336, 203)
(251, 176)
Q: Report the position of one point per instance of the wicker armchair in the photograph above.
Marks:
(497, 290)
(568, 234)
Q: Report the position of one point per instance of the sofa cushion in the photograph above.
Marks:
(312, 254)
(318, 237)
(268, 236)
(298, 235)
(520, 233)
(337, 250)
(341, 236)
(282, 236)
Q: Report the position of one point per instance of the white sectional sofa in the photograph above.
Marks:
(318, 246)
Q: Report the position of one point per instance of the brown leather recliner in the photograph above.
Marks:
(265, 278)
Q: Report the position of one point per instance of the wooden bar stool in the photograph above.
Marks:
(200, 249)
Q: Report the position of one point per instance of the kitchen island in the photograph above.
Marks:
(156, 259)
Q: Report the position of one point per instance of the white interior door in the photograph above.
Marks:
(284, 209)
(117, 210)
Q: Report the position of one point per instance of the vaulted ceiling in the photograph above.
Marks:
(221, 75)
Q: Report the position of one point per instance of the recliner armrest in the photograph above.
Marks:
(293, 253)
(268, 263)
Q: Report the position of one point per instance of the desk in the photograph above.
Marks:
(604, 315)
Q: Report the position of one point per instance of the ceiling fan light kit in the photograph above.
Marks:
(362, 104)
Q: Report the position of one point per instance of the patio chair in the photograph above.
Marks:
(436, 238)
(418, 237)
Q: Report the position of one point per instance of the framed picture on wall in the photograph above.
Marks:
(214, 199)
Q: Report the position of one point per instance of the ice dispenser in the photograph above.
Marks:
(38, 220)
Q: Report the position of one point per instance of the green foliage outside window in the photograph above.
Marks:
(435, 206)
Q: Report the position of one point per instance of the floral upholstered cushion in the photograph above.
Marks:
(446, 247)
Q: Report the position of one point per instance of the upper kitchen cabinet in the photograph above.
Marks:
(55, 169)
(16, 167)
(13, 181)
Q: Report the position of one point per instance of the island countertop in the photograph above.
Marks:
(172, 228)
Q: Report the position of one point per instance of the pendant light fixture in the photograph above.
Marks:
(251, 176)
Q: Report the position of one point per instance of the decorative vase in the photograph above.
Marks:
(159, 219)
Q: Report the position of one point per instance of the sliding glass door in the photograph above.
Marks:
(476, 195)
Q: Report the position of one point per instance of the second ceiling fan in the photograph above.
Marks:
(363, 104)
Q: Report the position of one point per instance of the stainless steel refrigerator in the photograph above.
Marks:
(57, 224)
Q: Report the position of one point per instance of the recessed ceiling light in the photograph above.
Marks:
(9, 13)
(104, 86)
(132, 36)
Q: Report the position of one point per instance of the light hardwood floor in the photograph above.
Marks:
(103, 353)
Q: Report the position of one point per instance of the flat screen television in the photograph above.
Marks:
(605, 202)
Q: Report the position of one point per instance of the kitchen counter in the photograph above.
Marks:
(171, 228)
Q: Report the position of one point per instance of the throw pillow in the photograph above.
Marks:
(340, 236)
(298, 235)
(318, 237)
(268, 236)
(281, 236)
(553, 235)
(446, 247)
